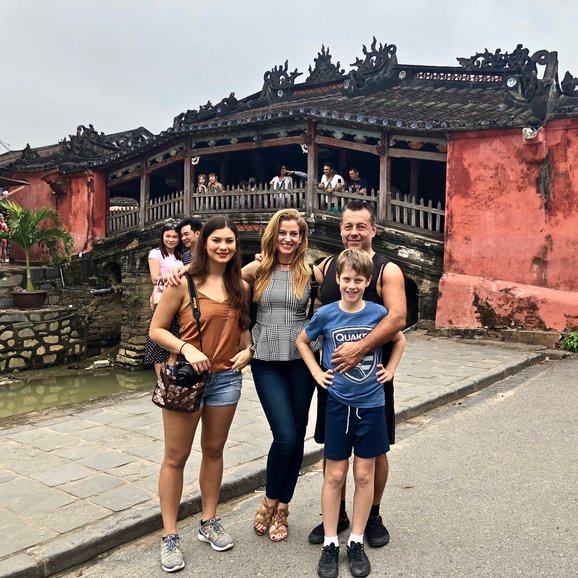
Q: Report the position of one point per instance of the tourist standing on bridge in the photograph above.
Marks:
(214, 185)
(224, 305)
(282, 287)
(161, 260)
(387, 288)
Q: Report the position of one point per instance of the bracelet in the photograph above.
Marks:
(181, 349)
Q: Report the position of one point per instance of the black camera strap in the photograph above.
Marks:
(195, 307)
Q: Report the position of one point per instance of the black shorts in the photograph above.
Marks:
(322, 410)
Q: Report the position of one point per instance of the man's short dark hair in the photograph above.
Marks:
(354, 169)
(195, 225)
(358, 205)
(328, 165)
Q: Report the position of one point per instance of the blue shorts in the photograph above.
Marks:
(362, 429)
(222, 388)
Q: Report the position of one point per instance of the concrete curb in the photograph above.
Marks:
(64, 552)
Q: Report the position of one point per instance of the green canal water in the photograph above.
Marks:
(49, 391)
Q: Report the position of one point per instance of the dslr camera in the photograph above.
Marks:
(185, 375)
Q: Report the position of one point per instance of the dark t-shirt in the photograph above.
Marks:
(357, 185)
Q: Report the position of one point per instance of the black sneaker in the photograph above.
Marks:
(317, 535)
(328, 566)
(376, 533)
(358, 561)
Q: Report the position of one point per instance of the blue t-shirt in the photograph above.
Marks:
(359, 386)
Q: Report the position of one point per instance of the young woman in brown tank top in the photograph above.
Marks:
(223, 301)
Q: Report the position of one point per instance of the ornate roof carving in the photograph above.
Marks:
(529, 90)
(277, 81)
(325, 70)
(569, 84)
(29, 153)
(87, 142)
(517, 59)
(228, 105)
(376, 67)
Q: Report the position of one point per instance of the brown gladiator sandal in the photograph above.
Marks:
(279, 530)
(263, 517)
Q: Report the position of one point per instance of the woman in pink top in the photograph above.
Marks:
(165, 257)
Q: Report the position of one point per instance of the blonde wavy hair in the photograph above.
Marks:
(301, 273)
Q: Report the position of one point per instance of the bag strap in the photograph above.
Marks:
(195, 307)
(313, 295)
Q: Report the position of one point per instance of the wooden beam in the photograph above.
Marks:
(177, 158)
(187, 187)
(423, 155)
(124, 179)
(244, 146)
(352, 146)
(384, 193)
(144, 198)
(311, 168)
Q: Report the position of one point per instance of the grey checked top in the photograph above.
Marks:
(280, 319)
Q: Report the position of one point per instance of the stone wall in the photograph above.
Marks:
(102, 314)
(40, 337)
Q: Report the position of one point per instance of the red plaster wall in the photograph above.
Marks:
(511, 218)
(82, 204)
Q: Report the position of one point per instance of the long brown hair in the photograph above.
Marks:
(299, 268)
(232, 276)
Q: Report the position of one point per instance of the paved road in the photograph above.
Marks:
(78, 480)
(482, 487)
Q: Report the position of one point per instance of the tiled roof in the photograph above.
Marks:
(488, 90)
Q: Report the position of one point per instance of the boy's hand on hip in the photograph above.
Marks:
(324, 378)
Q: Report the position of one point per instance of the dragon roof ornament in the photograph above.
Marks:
(376, 67)
(277, 81)
(324, 70)
(497, 60)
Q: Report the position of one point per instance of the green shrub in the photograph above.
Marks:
(571, 342)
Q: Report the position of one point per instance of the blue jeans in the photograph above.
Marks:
(285, 389)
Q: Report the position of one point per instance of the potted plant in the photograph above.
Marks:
(28, 228)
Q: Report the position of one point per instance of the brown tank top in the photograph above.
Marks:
(212, 315)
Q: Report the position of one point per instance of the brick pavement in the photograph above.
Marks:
(78, 480)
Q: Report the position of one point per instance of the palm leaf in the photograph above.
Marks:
(43, 227)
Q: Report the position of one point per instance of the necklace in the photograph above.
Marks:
(281, 263)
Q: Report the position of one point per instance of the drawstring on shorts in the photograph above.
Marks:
(349, 415)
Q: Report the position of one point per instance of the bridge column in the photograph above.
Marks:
(384, 193)
(311, 168)
(187, 186)
(144, 196)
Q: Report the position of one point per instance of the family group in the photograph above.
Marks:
(261, 315)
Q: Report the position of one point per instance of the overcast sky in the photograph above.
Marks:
(121, 64)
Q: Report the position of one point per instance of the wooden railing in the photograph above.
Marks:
(403, 210)
(122, 219)
(417, 215)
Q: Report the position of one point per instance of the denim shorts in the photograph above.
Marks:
(222, 388)
(362, 429)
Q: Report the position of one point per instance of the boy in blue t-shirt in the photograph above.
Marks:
(355, 418)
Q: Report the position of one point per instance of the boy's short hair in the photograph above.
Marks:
(359, 261)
